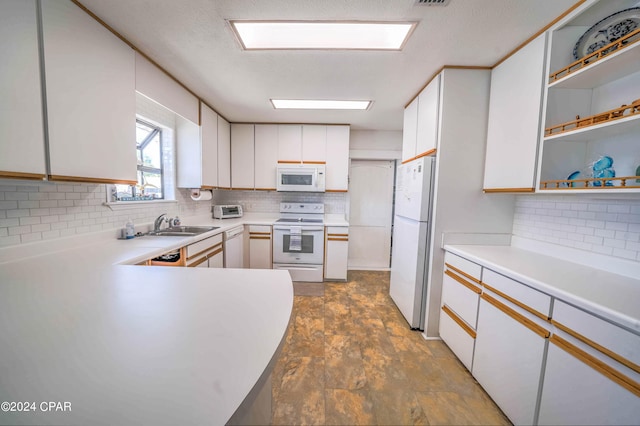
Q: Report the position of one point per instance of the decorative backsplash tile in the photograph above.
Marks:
(601, 225)
(269, 201)
(43, 211)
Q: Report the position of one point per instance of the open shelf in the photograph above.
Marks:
(596, 69)
(606, 129)
(624, 182)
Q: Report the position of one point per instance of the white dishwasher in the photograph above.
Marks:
(233, 247)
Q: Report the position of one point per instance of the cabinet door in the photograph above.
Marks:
(21, 126)
(427, 128)
(337, 171)
(209, 140)
(189, 153)
(575, 393)
(410, 130)
(217, 260)
(508, 357)
(224, 153)
(242, 156)
(290, 143)
(314, 143)
(266, 152)
(514, 119)
(336, 253)
(91, 104)
(260, 247)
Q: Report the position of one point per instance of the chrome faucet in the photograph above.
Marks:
(158, 222)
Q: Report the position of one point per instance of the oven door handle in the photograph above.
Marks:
(304, 230)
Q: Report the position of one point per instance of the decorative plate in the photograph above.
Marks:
(607, 31)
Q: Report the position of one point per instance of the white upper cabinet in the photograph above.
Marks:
(90, 92)
(155, 84)
(289, 143)
(591, 139)
(209, 141)
(242, 156)
(189, 154)
(420, 126)
(514, 119)
(266, 154)
(410, 131)
(22, 152)
(197, 151)
(314, 143)
(337, 167)
(224, 154)
(428, 107)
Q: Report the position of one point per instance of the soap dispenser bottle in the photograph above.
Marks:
(129, 229)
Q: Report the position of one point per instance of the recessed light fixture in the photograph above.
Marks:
(345, 35)
(318, 104)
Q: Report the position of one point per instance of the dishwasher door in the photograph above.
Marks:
(233, 247)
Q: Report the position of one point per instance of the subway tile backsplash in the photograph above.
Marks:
(43, 211)
(601, 225)
(269, 201)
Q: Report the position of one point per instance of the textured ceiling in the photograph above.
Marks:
(192, 40)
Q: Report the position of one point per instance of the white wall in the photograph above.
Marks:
(607, 225)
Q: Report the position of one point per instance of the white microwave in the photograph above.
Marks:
(301, 177)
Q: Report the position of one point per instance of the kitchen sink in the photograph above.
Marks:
(182, 231)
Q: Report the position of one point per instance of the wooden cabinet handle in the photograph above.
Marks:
(516, 302)
(464, 274)
(604, 369)
(467, 284)
(205, 250)
(540, 331)
(470, 331)
(622, 360)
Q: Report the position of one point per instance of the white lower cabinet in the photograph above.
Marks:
(589, 358)
(459, 307)
(260, 247)
(560, 366)
(336, 252)
(508, 358)
(205, 253)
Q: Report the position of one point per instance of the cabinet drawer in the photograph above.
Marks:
(517, 293)
(464, 267)
(261, 229)
(607, 338)
(201, 246)
(459, 338)
(461, 296)
(337, 231)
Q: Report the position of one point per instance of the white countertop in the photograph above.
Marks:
(608, 295)
(131, 344)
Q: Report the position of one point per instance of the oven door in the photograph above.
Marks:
(311, 249)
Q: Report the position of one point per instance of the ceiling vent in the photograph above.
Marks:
(432, 2)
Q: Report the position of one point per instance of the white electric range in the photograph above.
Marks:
(298, 241)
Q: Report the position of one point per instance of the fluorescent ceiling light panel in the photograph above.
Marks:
(322, 35)
(318, 104)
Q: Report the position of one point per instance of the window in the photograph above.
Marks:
(150, 166)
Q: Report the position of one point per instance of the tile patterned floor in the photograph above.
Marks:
(350, 359)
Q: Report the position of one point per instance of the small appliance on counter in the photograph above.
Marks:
(227, 211)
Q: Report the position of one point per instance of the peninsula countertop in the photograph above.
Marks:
(127, 344)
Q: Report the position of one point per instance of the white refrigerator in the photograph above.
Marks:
(411, 238)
